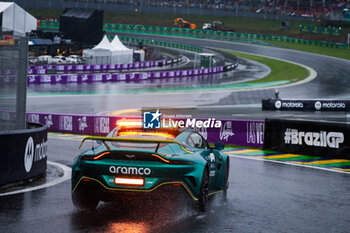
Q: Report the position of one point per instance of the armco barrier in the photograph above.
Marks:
(23, 154)
(50, 69)
(306, 105)
(236, 132)
(198, 33)
(308, 138)
(137, 76)
(45, 69)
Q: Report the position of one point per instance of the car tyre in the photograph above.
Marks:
(204, 190)
(226, 177)
(84, 201)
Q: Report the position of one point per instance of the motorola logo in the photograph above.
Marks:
(29, 154)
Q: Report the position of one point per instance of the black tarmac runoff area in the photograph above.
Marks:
(262, 197)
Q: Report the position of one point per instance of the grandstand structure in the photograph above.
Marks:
(306, 8)
(281, 9)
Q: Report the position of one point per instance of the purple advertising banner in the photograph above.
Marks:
(106, 77)
(231, 131)
(44, 69)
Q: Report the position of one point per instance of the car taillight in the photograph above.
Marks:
(92, 158)
(129, 181)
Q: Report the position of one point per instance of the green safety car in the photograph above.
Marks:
(132, 160)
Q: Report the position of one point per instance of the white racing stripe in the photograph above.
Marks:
(66, 176)
(290, 164)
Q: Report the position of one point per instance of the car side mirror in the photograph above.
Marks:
(219, 145)
(99, 142)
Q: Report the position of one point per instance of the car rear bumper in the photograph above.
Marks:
(95, 187)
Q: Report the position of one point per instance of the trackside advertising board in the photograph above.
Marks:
(306, 105)
(23, 154)
(308, 138)
(228, 131)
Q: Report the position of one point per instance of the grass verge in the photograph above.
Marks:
(282, 73)
(280, 70)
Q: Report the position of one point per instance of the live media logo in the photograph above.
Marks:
(152, 119)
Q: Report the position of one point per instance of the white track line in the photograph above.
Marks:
(66, 176)
(290, 164)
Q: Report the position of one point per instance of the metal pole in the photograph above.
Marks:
(21, 95)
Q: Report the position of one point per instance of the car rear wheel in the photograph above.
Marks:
(84, 201)
(227, 173)
(203, 195)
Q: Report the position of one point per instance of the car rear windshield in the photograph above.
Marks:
(142, 135)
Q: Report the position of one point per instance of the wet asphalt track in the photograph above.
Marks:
(263, 196)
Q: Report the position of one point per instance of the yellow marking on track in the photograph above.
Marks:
(325, 161)
(121, 112)
(342, 169)
(242, 151)
(65, 135)
(282, 156)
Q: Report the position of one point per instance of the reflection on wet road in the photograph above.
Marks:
(262, 197)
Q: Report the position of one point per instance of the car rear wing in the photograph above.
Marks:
(137, 140)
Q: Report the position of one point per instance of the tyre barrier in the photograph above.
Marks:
(230, 131)
(306, 105)
(324, 139)
(51, 69)
(136, 76)
(23, 154)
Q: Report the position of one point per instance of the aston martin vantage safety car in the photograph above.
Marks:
(135, 160)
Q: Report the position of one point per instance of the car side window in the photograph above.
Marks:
(190, 141)
(196, 141)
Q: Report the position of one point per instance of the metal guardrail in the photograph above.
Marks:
(117, 77)
(79, 68)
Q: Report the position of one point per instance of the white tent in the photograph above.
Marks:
(104, 44)
(109, 53)
(117, 44)
(16, 19)
(120, 53)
